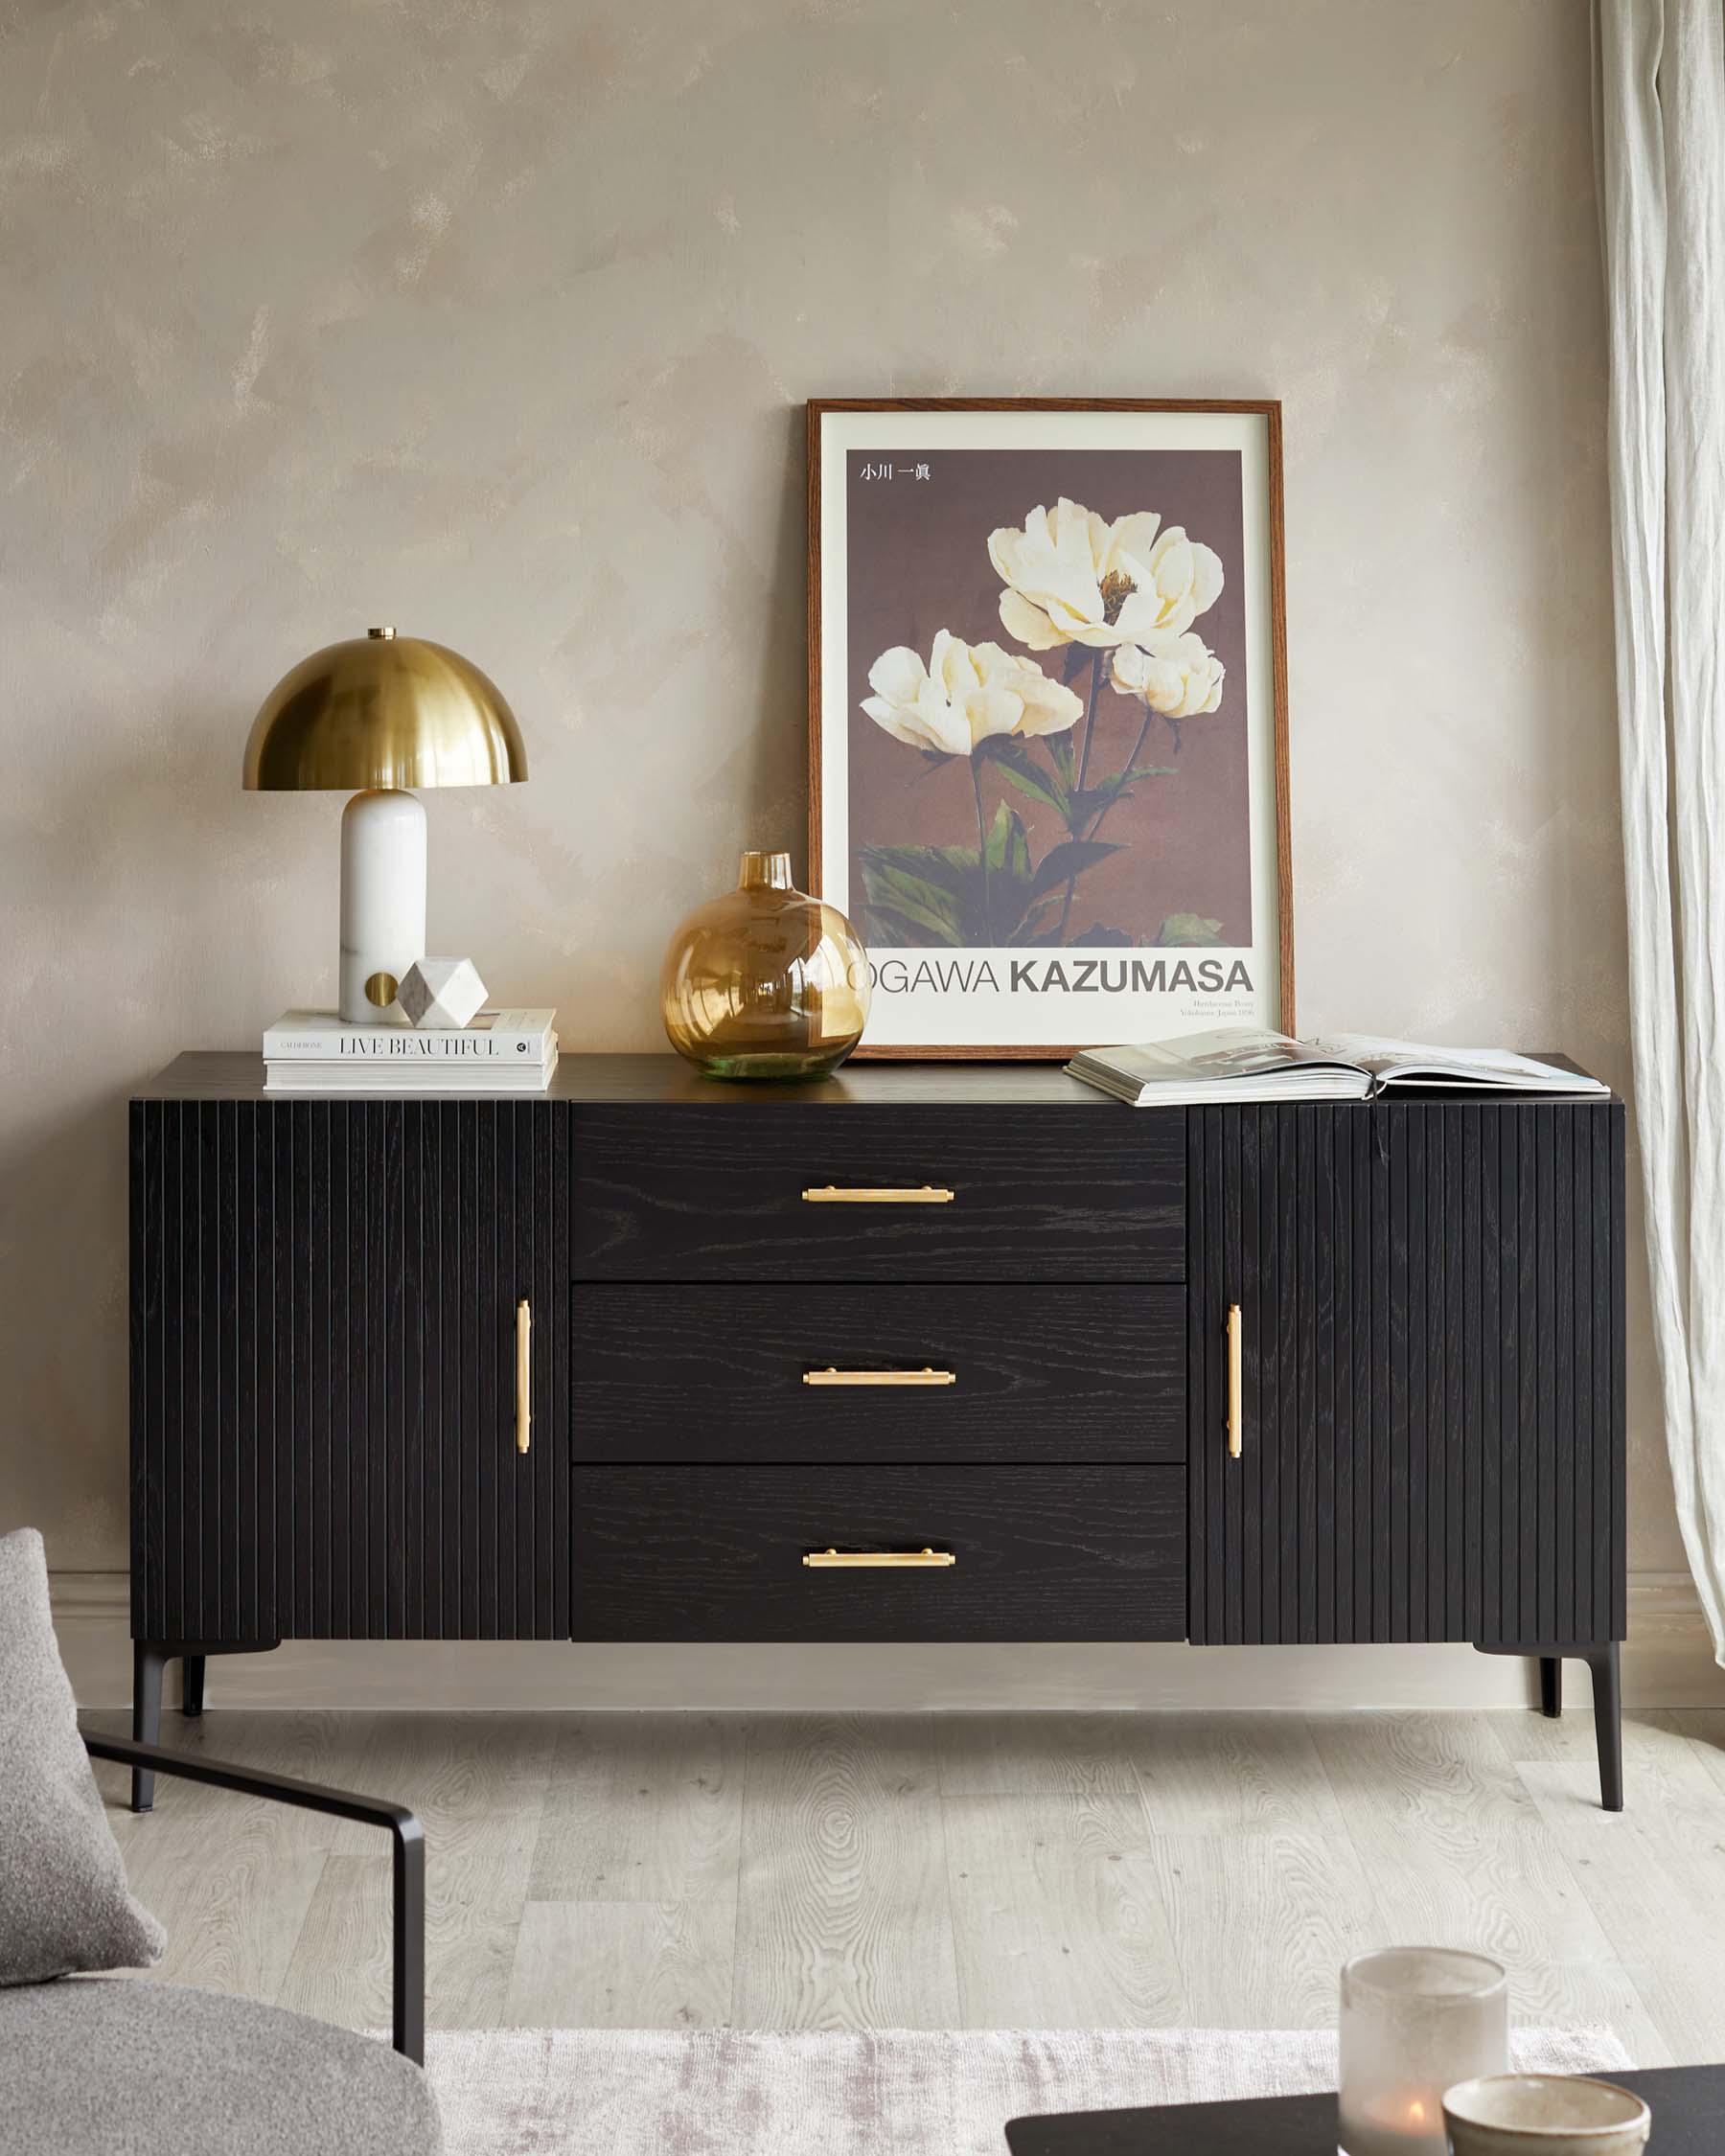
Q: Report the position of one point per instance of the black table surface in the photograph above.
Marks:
(1688, 2103)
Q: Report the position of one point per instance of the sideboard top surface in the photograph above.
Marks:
(629, 1081)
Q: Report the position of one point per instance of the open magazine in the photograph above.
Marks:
(1244, 1063)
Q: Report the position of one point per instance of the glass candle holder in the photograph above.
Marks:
(1415, 2020)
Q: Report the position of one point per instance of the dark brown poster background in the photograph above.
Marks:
(918, 562)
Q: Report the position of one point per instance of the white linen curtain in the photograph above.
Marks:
(1659, 156)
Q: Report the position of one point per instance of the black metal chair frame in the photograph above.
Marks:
(408, 1838)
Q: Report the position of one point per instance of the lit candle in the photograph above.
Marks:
(1413, 2022)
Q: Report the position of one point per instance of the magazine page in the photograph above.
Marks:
(1224, 1051)
(1414, 1061)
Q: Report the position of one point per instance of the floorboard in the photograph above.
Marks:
(1057, 1916)
(979, 1870)
(842, 1911)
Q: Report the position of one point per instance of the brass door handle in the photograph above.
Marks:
(924, 1194)
(523, 1375)
(880, 1377)
(1236, 1416)
(827, 1559)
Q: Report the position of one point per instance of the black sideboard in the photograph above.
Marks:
(923, 1352)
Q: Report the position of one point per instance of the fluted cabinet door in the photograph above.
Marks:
(1431, 1443)
(323, 1370)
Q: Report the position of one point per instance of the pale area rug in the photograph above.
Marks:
(894, 2092)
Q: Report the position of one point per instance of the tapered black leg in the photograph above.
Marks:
(408, 2001)
(192, 1699)
(148, 1665)
(1608, 1722)
(1601, 1658)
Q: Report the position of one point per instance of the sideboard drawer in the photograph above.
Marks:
(928, 1193)
(1037, 1554)
(760, 1374)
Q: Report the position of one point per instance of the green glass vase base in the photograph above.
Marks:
(771, 1066)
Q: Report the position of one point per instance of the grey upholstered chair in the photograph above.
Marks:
(130, 2066)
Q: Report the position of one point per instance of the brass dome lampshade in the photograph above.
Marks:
(383, 714)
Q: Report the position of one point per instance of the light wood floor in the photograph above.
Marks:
(955, 1871)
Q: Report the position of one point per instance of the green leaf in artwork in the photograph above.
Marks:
(1191, 929)
(1072, 859)
(923, 885)
(1009, 846)
(1041, 921)
(1110, 789)
(1018, 770)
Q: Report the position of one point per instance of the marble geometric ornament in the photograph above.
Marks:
(442, 992)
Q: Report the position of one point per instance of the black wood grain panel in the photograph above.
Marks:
(1490, 1353)
(549, 1297)
(1432, 1446)
(226, 1429)
(1530, 1369)
(1544, 1367)
(316, 1522)
(452, 1387)
(556, 1488)
(178, 1314)
(1619, 1585)
(1341, 1569)
(497, 1334)
(1362, 1133)
(309, 1422)
(1283, 1458)
(1566, 1434)
(716, 1193)
(716, 1373)
(145, 1239)
(1318, 1382)
(1257, 1550)
(1587, 1594)
(1470, 1412)
(1043, 1553)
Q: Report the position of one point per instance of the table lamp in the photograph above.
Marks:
(381, 714)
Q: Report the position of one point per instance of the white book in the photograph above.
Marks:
(495, 1036)
(1247, 1063)
(351, 1077)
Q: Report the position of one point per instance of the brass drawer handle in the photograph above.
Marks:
(830, 1194)
(523, 1375)
(1236, 1416)
(827, 1559)
(831, 1376)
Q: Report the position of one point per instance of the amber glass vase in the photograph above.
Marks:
(765, 982)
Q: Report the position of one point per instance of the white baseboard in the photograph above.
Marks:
(1668, 1661)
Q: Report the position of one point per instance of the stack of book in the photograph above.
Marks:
(500, 1052)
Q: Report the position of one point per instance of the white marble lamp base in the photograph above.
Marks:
(382, 902)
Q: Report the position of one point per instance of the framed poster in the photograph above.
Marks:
(1048, 694)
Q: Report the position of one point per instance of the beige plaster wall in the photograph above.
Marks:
(493, 320)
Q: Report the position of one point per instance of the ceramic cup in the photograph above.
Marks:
(1544, 2115)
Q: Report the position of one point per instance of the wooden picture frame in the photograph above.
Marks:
(878, 574)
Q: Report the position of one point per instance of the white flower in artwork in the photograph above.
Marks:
(1179, 678)
(1073, 578)
(965, 693)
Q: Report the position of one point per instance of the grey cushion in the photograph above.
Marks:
(63, 1902)
(133, 2068)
